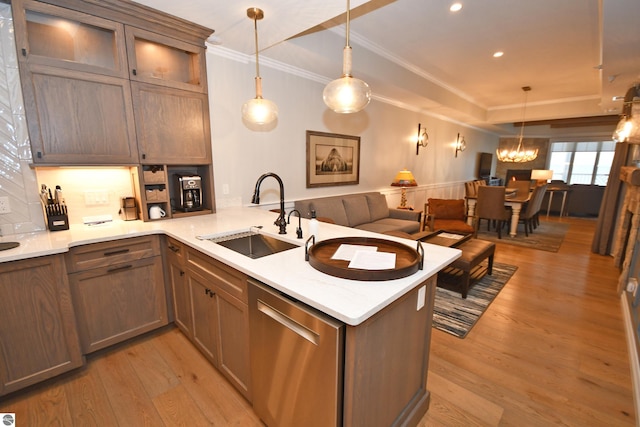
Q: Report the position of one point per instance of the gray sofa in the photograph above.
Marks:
(365, 211)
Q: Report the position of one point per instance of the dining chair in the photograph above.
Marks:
(522, 187)
(529, 216)
(490, 206)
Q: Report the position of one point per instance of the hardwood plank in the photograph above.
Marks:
(126, 394)
(88, 399)
(153, 371)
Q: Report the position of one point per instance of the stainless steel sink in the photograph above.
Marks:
(253, 245)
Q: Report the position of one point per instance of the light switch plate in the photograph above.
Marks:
(5, 208)
(422, 296)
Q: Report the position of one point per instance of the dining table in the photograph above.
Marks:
(515, 202)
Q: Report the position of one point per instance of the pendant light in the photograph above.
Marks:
(519, 154)
(258, 110)
(347, 94)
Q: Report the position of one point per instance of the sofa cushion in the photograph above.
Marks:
(447, 208)
(378, 207)
(357, 210)
(331, 208)
(390, 224)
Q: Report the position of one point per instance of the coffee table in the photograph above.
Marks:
(451, 239)
(474, 251)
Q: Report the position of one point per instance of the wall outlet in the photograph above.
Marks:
(5, 208)
(96, 197)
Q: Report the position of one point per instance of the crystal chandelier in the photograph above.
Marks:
(519, 154)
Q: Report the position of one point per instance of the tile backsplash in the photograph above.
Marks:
(17, 180)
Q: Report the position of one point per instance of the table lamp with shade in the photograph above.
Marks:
(541, 176)
(404, 179)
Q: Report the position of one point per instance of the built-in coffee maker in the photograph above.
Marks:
(189, 192)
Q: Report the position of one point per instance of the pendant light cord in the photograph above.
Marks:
(524, 111)
(255, 31)
(348, 19)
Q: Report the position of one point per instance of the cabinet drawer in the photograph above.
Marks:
(224, 277)
(176, 250)
(104, 254)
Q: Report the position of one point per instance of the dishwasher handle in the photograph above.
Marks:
(288, 323)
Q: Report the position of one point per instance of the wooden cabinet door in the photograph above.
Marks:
(38, 337)
(78, 118)
(165, 61)
(233, 349)
(172, 125)
(179, 287)
(204, 316)
(119, 302)
(63, 38)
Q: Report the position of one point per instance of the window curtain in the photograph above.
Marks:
(604, 234)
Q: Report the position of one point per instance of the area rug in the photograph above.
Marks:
(455, 315)
(547, 237)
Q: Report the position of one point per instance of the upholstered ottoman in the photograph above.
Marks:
(474, 251)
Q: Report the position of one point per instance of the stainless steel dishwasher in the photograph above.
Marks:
(296, 361)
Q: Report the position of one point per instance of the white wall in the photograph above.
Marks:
(388, 138)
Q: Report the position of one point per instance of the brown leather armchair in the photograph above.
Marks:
(446, 214)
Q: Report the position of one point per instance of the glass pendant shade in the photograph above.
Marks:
(259, 110)
(347, 94)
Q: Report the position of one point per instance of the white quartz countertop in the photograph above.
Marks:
(351, 301)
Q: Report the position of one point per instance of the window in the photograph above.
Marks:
(582, 162)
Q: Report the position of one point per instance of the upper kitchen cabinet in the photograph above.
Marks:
(77, 96)
(57, 37)
(172, 125)
(112, 82)
(165, 61)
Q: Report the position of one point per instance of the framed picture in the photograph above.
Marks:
(332, 159)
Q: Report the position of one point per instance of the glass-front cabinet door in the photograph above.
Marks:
(58, 37)
(165, 61)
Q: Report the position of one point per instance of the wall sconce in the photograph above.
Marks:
(423, 139)
(461, 144)
(628, 129)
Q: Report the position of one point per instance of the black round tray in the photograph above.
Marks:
(408, 260)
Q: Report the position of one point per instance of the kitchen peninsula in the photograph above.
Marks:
(385, 356)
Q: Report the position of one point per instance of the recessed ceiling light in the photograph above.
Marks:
(455, 7)
(498, 54)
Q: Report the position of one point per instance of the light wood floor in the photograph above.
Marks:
(550, 350)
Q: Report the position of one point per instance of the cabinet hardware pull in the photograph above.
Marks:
(124, 267)
(39, 154)
(144, 156)
(134, 72)
(181, 273)
(116, 252)
(174, 248)
(24, 52)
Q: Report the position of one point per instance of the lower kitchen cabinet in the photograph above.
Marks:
(123, 295)
(38, 338)
(176, 273)
(221, 317)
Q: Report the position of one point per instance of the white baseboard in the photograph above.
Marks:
(633, 354)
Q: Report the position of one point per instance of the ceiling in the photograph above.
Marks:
(576, 55)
